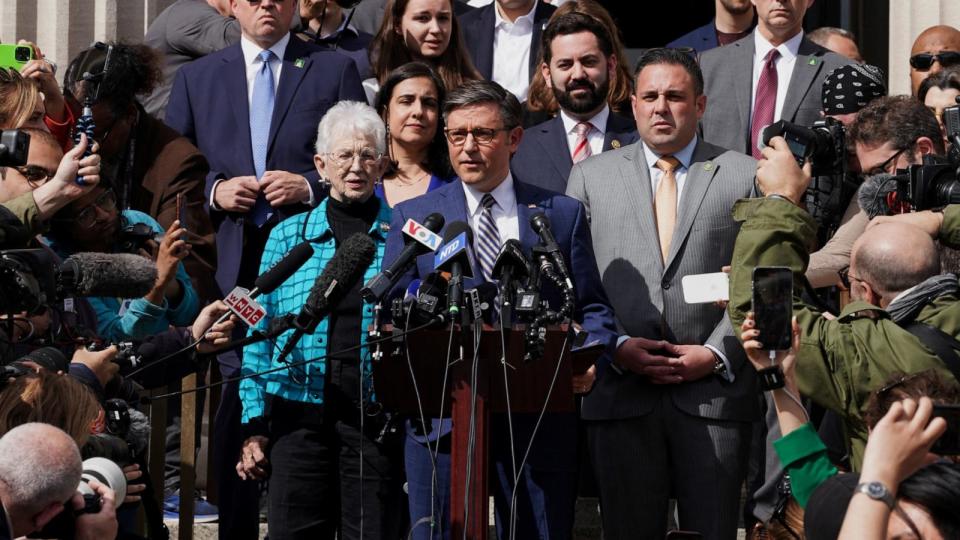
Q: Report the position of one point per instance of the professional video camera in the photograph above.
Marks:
(14, 145)
(933, 183)
(823, 143)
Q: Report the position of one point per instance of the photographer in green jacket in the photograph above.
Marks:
(894, 278)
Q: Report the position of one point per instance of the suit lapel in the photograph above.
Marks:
(699, 177)
(805, 70)
(635, 180)
(234, 73)
(540, 18)
(528, 204)
(553, 140)
(296, 63)
(485, 48)
(619, 132)
(743, 63)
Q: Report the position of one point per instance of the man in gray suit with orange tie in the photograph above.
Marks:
(775, 73)
(673, 419)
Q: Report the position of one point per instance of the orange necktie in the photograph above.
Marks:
(665, 203)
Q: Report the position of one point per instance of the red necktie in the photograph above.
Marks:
(581, 149)
(766, 101)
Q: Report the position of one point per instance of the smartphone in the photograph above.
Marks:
(773, 306)
(705, 288)
(183, 218)
(15, 56)
(949, 443)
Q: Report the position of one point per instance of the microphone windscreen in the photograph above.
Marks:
(539, 221)
(345, 268)
(120, 275)
(872, 195)
(284, 268)
(454, 230)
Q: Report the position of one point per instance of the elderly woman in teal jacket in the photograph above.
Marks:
(312, 421)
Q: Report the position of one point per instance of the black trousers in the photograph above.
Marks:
(316, 488)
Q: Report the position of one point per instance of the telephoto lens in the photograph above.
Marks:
(107, 473)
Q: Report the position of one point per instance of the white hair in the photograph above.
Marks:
(347, 119)
(39, 465)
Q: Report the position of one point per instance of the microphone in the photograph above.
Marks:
(122, 275)
(511, 265)
(454, 257)
(243, 304)
(418, 239)
(877, 195)
(346, 266)
(541, 225)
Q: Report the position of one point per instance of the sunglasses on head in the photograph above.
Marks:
(923, 61)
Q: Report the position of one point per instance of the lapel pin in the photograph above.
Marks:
(299, 62)
(614, 144)
(812, 61)
(708, 166)
(384, 227)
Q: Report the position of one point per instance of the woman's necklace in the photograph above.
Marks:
(407, 183)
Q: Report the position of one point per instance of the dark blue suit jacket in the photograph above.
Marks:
(568, 220)
(208, 105)
(700, 39)
(477, 27)
(543, 158)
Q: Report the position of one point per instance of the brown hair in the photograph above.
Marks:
(47, 397)
(540, 96)
(901, 385)
(18, 98)
(388, 50)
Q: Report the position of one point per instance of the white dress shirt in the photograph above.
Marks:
(504, 211)
(596, 135)
(511, 52)
(252, 61)
(684, 156)
(788, 57)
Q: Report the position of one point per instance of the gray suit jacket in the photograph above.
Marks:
(647, 297)
(728, 79)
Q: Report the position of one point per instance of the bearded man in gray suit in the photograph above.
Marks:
(672, 419)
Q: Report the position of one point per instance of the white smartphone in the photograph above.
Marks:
(704, 288)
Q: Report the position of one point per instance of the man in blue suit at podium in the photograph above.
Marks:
(253, 110)
(483, 130)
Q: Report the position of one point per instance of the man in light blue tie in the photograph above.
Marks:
(253, 110)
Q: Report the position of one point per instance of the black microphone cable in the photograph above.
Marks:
(472, 433)
(506, 393)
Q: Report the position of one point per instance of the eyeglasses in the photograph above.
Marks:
(846, 276)
(107, 202)
(458, 137)
(343, 159)
(885, 166)
(923, 61)
(35, 174)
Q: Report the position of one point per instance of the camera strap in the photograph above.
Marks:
(943, 345)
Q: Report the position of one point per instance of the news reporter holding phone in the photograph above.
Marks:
(894, 279)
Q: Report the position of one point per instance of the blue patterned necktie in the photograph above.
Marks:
(488, 237)
(261, 113)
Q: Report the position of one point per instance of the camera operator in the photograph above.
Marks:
(40, 468)
(94, 223)
(889, 134)
(894, 279)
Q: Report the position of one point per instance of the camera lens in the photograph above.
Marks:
(22, 54)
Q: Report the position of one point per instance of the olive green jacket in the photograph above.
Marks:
(842, 361)
(24, 208)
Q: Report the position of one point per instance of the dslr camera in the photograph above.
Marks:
(823, 143)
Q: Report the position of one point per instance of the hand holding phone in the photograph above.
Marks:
(773, 306)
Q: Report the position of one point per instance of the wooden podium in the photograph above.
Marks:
(529, 384)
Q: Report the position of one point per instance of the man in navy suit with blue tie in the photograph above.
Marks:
(253, 110)
(578, 63)
(483, 129)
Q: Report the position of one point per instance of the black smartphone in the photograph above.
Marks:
(773, 306)
(949, 443)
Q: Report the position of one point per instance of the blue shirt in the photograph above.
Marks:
(290, 298)
(123, 319)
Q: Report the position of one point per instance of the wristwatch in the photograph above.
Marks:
(719, 366)
(877, 492)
